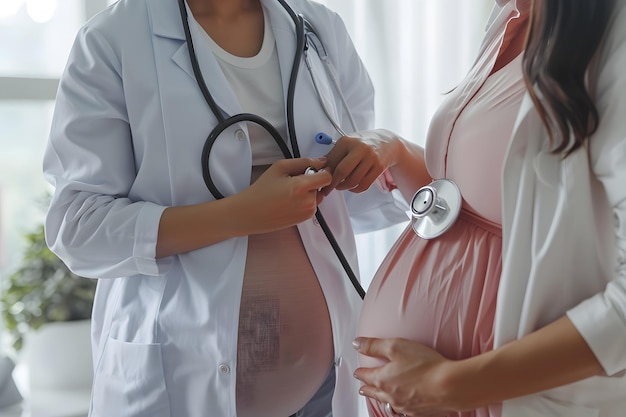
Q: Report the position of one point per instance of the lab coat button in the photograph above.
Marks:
(240, 134)
(224, 369)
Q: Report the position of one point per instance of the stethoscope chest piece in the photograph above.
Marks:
(435, 208)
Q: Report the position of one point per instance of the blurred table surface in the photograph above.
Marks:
(51, 404)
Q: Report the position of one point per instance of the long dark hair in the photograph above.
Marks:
(562, 40)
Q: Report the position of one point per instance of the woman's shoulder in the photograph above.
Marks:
(129, 24)
(607, 72)
(615, 37)
(309, 5)
(608, 82)
(120, 18)
(315, 12)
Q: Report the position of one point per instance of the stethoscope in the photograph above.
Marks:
(223, 122)
(435, 208)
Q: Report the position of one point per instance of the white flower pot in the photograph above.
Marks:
(58, 356)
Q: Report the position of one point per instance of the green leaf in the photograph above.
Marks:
(42, 289)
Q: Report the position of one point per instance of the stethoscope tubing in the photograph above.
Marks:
(225, 122)
(298, 21)
(323, 104)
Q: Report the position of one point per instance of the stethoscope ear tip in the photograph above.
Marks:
(323, 139)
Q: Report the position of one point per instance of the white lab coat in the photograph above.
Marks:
(564, 232)
(126, 139)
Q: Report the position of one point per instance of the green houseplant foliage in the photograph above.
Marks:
(43, 290)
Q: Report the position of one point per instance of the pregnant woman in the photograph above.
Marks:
(520, 308)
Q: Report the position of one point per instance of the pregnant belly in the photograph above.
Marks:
(285, 347)
(440, 292)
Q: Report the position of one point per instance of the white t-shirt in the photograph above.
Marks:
(257, 84)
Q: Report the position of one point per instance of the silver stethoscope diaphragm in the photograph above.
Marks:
(435, 207)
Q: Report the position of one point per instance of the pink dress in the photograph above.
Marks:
(442, 292)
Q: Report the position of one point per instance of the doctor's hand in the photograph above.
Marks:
(415, 380)
(283, 195)
(357, 160)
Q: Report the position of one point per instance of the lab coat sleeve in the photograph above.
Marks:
(378, 207)
(92, 224)
(602, 319)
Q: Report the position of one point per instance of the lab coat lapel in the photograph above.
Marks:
(166, 23)
(521, 146)
(518, 197)
(186, 116)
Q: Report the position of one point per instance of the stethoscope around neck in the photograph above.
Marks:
(224, 123)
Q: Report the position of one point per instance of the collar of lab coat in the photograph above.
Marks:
(503, 2)
(166, 19)
(166, 23)
(519, 5)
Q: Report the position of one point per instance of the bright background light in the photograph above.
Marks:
(9, 8)
(41, 11)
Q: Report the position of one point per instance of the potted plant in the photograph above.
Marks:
(46, 310)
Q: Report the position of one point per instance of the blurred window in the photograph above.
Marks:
(37, 36)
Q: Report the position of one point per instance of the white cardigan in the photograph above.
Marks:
(564, 237)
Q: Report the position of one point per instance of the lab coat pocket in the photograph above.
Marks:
(130, 382)
(540, 405)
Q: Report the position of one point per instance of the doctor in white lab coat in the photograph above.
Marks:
(128, 130)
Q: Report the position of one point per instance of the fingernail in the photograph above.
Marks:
(356, 343)
(361, 392)
(322, 159)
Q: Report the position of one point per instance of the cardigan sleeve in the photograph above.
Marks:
(608, 159)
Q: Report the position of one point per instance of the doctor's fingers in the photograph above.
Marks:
(274, 203)
(301, 175)
(360, 179)
(355, 165)
(298, 166)
(314, 180)
(354, 175)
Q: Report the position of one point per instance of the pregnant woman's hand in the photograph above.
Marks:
(415, 380)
